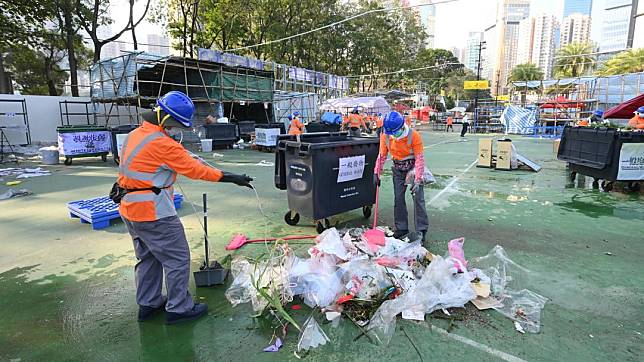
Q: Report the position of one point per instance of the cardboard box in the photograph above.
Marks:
(555, 146)
(504, 155)
(485, 152)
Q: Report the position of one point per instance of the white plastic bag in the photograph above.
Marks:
(312, 335)
(428, 177)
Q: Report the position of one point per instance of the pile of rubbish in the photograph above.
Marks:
(348, 275)
(24, 172)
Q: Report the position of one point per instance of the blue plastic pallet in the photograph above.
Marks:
(100, 210)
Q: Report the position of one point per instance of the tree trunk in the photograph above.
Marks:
(69, 44)
(136, 45)
(4, 87)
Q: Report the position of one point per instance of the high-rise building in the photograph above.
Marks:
(504, 51)
(546, 40)
(616, 25)
(427, 16)
(538, 39)
(526, 40)
(158, 44)
(472, 50)
(636, 27)
(575, 29)
(112, 49)
(577, 6)
(488, 60)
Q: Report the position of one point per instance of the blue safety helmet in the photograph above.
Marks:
(290, 117)
(379, 114)
(640, 110)
(356, 110)
(599, 113)
(393, 122)
(296, 113)
(179, 106)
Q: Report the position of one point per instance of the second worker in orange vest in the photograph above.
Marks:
(150, 162)
(355, 122)
(296, 127)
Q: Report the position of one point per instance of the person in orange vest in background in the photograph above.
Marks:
(450, 124)
(406, 148)
(355, 123)
(637, 122)
(297, 127)
(407, 119)
(379, 121)
(150, 162)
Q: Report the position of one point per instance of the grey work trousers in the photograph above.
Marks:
(161, 247)
(400, 206)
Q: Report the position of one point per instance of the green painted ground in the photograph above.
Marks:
(67, 292)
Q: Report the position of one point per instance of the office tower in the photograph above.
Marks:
(472, 50)
(616, 25)
(575, 29)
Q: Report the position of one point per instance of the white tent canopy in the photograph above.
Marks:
(457, 109)
(364, 104)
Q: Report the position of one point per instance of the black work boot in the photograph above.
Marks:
(198, 311)
(146, 313)
(398, 234)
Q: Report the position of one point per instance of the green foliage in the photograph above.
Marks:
(574, 60)
(629, 61)
(20, 20)
(37, 70)
(525, 72)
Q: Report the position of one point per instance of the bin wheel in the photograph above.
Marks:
(68, 161)
(366, 211)
(607, 186)
(633, 187)
(292, 218)
(322, 225)
(116, 160)
(104, 158)
(573, 176)
(595, 184)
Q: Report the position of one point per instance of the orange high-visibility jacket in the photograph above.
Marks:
(151, 158)
(401, 149)
(355, 121)
(379, 122)
(636, 122)
(450, 120)
(297, 127)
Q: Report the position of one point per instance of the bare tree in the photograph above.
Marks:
(93, 13)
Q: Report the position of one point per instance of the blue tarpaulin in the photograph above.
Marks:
(518, 120)
(331, 118)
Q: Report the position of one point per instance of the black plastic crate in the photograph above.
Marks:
(313, 165)
(245, 127)
(222, 134)
(596, 152)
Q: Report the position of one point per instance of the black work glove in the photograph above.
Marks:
(239, 180)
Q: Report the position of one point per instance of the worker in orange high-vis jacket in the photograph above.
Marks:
(150, 162)
(406, 148)
(637, 122)
(355, 123)
(296, 127)
(379, 121)
(450, 124)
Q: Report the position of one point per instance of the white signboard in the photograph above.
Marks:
(120, 138)
(351, 168)
(266, 136)
(82, 143)
(631, 162)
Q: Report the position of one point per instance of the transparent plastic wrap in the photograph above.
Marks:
(242, 287)
(311, 336)
(317, 280)
(508, 281)
(364, 278)
(428, 177)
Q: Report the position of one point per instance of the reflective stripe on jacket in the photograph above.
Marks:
(151, 158)
(402, 149)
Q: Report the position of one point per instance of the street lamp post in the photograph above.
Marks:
(478, 77)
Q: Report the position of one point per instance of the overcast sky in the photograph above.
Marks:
(453, 20)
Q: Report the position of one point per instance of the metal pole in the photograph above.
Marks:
(478, 77)
(205, 228)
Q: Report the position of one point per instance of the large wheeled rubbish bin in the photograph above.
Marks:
(83, 141)
(605, 154)
(328, 174)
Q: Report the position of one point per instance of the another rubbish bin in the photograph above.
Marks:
(245, 129)
(605, 154)
(118, 137)
(327, 175)
(222, 134)
(322, 127)
(83, 141)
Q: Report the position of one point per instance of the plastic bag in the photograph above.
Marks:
(508, 281)
(364, 278)
(311, 336)
(317, 280)
(455, 249)
(331, 243)
(240, 290)
(428, 177)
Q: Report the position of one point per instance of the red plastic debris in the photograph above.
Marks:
(296, 307)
